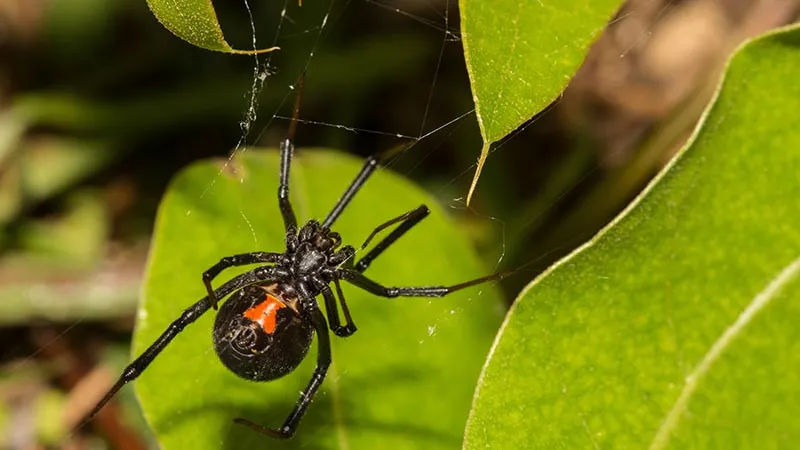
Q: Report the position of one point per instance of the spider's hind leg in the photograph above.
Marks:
(189, 315)
(323, 362)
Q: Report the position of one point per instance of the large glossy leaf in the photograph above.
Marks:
(677, 326)
(520, 56)
(405, 379)
(195, 21)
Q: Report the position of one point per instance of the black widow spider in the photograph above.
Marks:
(264, 330)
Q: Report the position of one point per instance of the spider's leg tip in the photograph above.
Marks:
(283, 433)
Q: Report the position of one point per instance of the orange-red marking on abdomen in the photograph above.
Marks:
(265, 313)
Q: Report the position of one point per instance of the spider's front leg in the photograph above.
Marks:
(370, 165)
(323, 362)
(287, 152)
(285, 205)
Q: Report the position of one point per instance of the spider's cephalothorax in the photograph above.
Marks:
(313, 254)
(264, 329)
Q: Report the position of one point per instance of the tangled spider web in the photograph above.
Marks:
(427, 136)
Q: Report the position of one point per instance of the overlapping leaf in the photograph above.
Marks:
(677, 325)
(521, 54)
(195, 21)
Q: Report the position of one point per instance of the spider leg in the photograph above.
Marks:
(350, 326)
(233, 261)
(289, 220)
(408, 220)
(367, 169)
(333, 311)
(287, 151)
(188, 316)
(373, 287)
(323, 362)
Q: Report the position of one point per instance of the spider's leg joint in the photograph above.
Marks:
(346, 330)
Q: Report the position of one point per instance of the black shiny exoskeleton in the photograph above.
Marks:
(261, 350)
(265, 328)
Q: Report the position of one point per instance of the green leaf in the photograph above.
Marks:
(677, 326)
(195, 21)
(407, 375)
(520, 56)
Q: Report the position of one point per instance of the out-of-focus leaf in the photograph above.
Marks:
(49, 165)
(520, 56)
(195, 21)
(75, 26)
(78, 235)
(405, 377)
(107, 296)
(50, 406)
(677, 325)
(10, 195)
(34, 286)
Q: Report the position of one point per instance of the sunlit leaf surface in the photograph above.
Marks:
(677, 326)
(405, 379)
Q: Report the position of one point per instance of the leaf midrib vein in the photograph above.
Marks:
(761, 300)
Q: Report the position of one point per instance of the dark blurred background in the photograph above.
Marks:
(100, 106)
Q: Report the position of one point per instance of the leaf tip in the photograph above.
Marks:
(478, 170)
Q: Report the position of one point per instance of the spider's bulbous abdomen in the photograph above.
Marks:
(259, 336)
